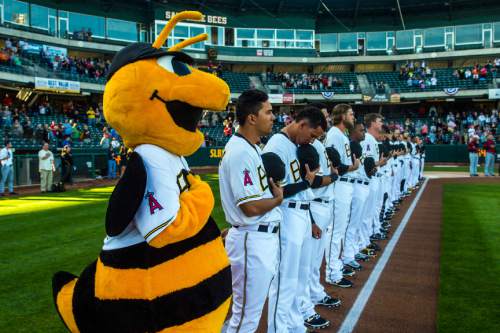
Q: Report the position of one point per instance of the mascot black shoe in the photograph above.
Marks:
(163, 267)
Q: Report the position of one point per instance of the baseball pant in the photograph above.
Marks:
(422, 160)
(368, 220)
(489, 164)
(342, 211)
(7, 176)
(46, 180)
(353, 234)
(322, 215)
(254, 263)
(283, 310)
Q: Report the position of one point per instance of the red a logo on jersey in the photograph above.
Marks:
(153, 203)
(247, 180)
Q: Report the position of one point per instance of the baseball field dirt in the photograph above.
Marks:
(405, 298)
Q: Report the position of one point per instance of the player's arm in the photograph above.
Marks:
(309, 178)
(321, 181)
(262, 206)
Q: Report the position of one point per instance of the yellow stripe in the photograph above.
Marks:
(185, 271)
(158, 227)
(249, 197)
(209, 323)
(65, 305)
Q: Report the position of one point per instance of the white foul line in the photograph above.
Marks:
(352, 317)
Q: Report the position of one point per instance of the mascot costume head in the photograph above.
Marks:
(163, 267)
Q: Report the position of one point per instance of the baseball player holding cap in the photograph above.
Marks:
(251, 205)
(297, 228)
(343, 119)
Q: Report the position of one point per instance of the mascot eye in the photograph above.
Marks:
(172, 65)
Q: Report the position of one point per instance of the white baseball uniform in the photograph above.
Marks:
(342, 205)
(321, 212)
(252, 243)
(158, 209)
(370, 145)
(284, 311)
(355, 235)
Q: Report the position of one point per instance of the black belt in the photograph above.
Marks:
(321, 200)
(302, 206)
(347, 180)
(362, 182)
(265, 228)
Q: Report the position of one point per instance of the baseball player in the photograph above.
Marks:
(343, 119)
(356, 238)
(251, 205)
(284, 314)
(373, 122)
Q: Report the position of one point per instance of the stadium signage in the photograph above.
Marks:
(327, 94)
(210, 19)
(451, 91)
(57, 85)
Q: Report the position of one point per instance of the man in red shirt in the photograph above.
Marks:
(473, 148)
(490, 148)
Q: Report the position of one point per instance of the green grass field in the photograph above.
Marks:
(469, 294)
(40, 235)
(460, 168)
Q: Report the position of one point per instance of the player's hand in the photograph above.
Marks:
(334, 170)
(309, 177)
(356, 163)
(276, 190)
(382, 161)
(316, 231)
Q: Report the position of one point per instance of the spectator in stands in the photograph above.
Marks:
(7, 168)
(115, 144)
(85, 134)
(124, 156)
(111, 163)
(46, 167)
(75, 132)
(7, 117)
(66, 165)
(17, 130)
(351, 87)
(473, 148)
(28, 130)
(91, 116)
(7, 100)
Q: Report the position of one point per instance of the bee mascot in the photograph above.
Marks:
(162, 267)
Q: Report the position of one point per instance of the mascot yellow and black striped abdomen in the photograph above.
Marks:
(163, 267)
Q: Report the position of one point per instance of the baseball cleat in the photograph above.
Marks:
(316, 322)
(342, 283)
(362, 257)
(348, 272)
(330, 302)
(368, 252)
(354, 265)
(374, 247)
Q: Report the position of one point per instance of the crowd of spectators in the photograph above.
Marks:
(95, 68)
(478, 72)
(11, 51)
(16, 121)
(418, 75)
(306, 81)
(450, 128)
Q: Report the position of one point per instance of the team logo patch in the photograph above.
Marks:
(451, 91)
(153, 203)
(247, 180)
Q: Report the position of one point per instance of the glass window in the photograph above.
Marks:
(285, 43)
(220, 36)
(307, 45)
(79, 22)
(348, 42)
(246, 43)
(195, 31)
(63, 14)
(376, 41)
(123, 30)
(496, 34)
(16, 12)
(265, 34)
(39, 16)
(181, 31)
(469, 34)
(434, 37)
(284, 34)
(404, 39)
(303, 34)
(245, 33)
(328, 42)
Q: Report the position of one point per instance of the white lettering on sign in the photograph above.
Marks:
(210, 19)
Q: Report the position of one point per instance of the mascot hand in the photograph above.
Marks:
(196, 204)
